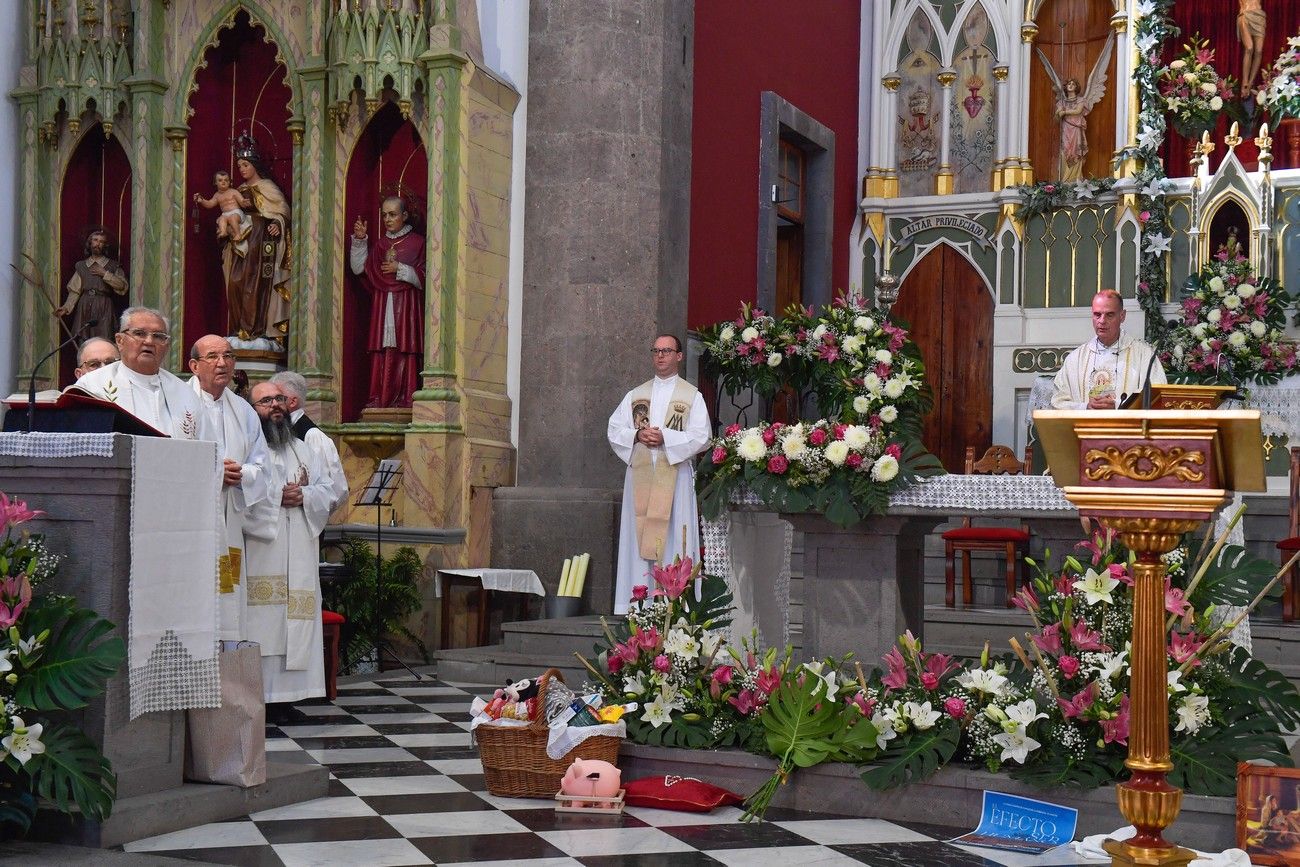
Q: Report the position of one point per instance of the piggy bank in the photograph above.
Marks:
(591, 778)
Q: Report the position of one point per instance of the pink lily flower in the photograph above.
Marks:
(897, 676)
(1048, 639)
(1083, 638)
(15, 594)
(1116, 730)
(1082, 700)
(1182, 647)
(767, 681)
(673, 580)
(15, 512)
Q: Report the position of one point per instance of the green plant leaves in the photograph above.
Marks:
(376, 605)
(1207, 763)
(807, 729)
(916, 758)
(1252, 684)
(72, 770)
(1052, 772)
(1234, 578)
(77, 660)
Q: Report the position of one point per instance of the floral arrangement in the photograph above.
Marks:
(1280, 93)
(1231, 328)
(1192, 90)
(54, 657)
(748, 352)
(1043, 196)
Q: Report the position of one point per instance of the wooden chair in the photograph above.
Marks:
(1291, 544)
(1012, 543)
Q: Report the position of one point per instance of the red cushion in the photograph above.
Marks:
(986, 534)
(331, 617)
(1292, 544)
(685, 794)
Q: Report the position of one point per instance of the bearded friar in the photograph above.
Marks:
(282, 538)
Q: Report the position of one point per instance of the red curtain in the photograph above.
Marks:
(1216, 20)
(242, 89)
(96, 192)
(389, 160)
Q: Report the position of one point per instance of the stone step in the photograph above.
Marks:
(497, 664)
(558, 636)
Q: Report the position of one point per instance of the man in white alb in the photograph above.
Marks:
(1101, 373)
(659, 427)
(293, 386)
(245, 478)
(139, 385)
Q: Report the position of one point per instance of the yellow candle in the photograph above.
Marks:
(583, 560)
(564, 578)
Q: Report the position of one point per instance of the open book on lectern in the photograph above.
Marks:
(73, 411)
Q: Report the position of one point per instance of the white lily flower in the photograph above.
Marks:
(1097, 587)
(24, 741)
(1025, 712)
(656, 713)
(682, 643)
(1016, 745)
(1145, 8)
(1172, 679)
(709, 643)
(1155, 188)
(28, 646)
(884, 729)
(5, 664)
(1146, 42)
(921, 715)
(1112, 665)
(983, 680)
(634, 685)
(1150, 138)
(1193, 712)
(1083, 190)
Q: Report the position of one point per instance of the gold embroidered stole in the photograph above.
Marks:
(654, 482)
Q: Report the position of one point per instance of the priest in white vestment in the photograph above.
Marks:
(294, 387)
(282, 539)
(138, 384)
(657, 430)
(242, 447)
(1103, 372)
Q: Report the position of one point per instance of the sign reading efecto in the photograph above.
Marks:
(943, 221)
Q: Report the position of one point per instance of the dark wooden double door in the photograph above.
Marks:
(949, 312)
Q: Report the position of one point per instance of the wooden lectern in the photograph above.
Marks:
(1151, 475)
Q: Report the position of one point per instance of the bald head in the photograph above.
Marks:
(94, 354)
(212, 362)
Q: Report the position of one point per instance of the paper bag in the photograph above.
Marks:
(227, 744)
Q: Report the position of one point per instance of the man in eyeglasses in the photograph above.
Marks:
(138, 383)
(245, 479)
(94, 354)
(282, 536)
(658, 428)
(293, 386)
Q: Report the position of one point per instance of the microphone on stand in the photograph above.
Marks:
(31, 382)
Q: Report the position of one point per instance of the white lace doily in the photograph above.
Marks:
(984, 493)
(39, 444)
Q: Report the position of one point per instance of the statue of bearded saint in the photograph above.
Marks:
(1072, 108)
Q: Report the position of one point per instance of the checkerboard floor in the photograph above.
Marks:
(406, 787)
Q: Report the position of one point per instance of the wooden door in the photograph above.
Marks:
(950, 314)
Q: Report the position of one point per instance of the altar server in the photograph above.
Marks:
(1101, 373)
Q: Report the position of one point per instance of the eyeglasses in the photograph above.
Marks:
(143, 334)
(271, 400)
(94, 364)
(657, 351)
(214, 357)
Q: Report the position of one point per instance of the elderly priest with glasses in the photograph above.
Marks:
(657, 430)
(139, 384)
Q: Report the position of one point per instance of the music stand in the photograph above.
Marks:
(379, 492)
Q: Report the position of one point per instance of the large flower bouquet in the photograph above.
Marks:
(1193, 92)
(1280, 93)
(750, 352)
(54, 657)
(1231, 328)
(846, 471)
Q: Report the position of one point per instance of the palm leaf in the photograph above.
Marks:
(76, 662)
(17, 809)
(918, 756)
(72, 770)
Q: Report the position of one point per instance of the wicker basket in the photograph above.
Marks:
(515, 764)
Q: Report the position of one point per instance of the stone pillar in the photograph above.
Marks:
(605, 264)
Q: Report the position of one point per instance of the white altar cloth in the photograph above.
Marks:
(505, 580)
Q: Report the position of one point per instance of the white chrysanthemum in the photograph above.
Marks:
(837, 452)
(794, 446)
(864, 323)
(1178, 350)
(1199, 329)
(1209, 87)
(1216, 103)
(773, 359)
(1216, 283)
(1177, 64)
(1232, 302)
(885, 468)
(749, 335)
(861, 404)
(1237, 339)
(888, 414)
(1247, 290)
(1258, 328)
(884, 356)
(895, 387)
(727, 333)
(856, 437)
(852, 344)
(1214, 316)
(871, 383)
(752, 447)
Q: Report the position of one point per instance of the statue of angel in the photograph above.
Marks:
(1072, 109)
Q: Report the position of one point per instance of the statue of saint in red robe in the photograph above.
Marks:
(392, 270)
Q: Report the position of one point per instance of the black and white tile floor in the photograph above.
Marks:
(406, 787)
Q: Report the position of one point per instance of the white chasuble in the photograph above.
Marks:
(240, 430)
(162, 401)
(283, 557)
(677, 409)
(1114, 371)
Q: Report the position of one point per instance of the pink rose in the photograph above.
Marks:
(1069, 666)
(769, 436)
(955, 707)
(614, 663)
(719, 455)
(838, 430)
(1049, 188)
(929, 680)
(723, 674)
(853, 461)
(777, 464)
(662, 664)
(732, 430)
(639, 592)
(817, 437)
(895, 451)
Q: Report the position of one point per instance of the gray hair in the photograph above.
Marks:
(81, 351)
(134, 311)
(291, 380)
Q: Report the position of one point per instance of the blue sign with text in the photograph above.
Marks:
(1021, 824)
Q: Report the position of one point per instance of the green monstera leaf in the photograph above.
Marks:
(916, 757)
(76, 661)
(1207, 763)
(72, 770)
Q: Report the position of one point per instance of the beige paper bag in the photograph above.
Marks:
(227, 744)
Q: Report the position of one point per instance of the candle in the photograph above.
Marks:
(583, 562)
(564, 577)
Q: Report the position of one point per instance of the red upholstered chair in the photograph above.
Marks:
(1291, 544)
(330, 629)
(1012, 543)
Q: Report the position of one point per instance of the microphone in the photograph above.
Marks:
(1146, 382)
(31, 382)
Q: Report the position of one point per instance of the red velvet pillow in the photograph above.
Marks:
(671, 792)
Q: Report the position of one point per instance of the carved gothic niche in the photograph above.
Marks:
(973, 126)
(373, 48)
(1074, 42)
(1232, 212)
(919, 126)
(82, 55)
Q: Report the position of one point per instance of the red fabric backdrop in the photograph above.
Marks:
(241, 89)
(389, 159)
(1216, 20)
(96, 192)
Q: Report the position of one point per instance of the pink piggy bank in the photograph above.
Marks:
(591, 778)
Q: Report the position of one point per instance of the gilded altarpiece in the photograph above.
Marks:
(162, 78)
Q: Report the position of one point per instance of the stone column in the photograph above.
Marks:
(605, 264)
